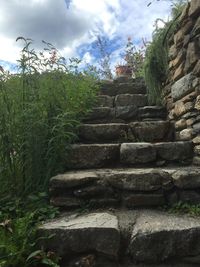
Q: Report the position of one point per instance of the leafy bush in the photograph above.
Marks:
(18, 240)
(40, 110)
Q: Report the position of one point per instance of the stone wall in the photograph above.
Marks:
(182, 88)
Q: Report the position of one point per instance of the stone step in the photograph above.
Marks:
(85, 156)
(106, 238)
(113, 88)
(138, 100)
(148, 131)
(127, 187)
(125, 113)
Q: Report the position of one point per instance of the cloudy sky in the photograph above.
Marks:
(71, 25)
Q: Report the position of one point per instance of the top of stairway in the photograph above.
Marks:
(123, 86)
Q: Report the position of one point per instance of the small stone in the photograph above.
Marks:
(197, 150)
(196, 69)
(196, 140)
(180, 124)
(182, 108)
(186, 134)
(179, 72)
(197, 103)
(192, 56)
(196, 161)
(182, 87)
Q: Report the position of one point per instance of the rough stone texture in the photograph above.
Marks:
(143, 200)
(157, 237)
(190, 197)
(102, 132)
(93, 156)
(152, 112)
(139, 179)
(113, 89)
(180, 124)
(99, 113)
(192, 56)
(187, 179)
(182, 87)
(133, 153)
(186, 134)
(151, 131)
(181, 108)
(174, 151)
(105, 101)
(93, 232)
(128, 100)
(194, 8)
(197, 103)
(126, 112)
(73, 179)
(196, 140)
(65, 202)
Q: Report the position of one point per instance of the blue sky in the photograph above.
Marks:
(72, 25)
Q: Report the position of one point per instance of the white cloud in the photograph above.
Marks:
(68, 28)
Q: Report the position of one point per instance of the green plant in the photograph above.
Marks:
(156, 58)
(185, 208)
(18, 239)
(40, 110)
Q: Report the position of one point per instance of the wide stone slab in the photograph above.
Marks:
(152, 131)
(97, 232)
(105, 101)
(102, 132)
(113, 89)
(93, 155)
(133, 153)
(158, 236)
(129, 99)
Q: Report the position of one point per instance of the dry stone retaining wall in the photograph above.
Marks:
(182, 89)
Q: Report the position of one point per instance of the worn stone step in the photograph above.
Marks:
(113, 88)
(127, 187)
(143, 153)
(84, 156)
(158, 237)
(105, 114)
(137, 237)
(148, 131)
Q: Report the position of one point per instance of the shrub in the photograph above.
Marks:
(40, 110)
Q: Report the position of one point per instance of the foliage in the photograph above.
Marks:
(40, 110)
(134, 57)
(18, 240)
(102, 47)
(156, 58)
(185, 208)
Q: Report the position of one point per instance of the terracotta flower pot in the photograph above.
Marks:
(123, 70)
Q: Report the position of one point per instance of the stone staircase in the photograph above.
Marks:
(124, 168)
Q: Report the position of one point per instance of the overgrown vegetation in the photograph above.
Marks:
(185, 208)
(156, 60)
(40, 110)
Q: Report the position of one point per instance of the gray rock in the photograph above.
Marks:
(138, 179)
(105, 101)
(151, 131)
(102, 132)
(90, 232)
(129, 99)
(99, 113)
(94, 191)
(158, 237)
(174, 151)
(152, 112)
(133, 153)
(65, 202)
(182, 87)
(73, 179)
(93, 155)
(187, 179)
(126, 112)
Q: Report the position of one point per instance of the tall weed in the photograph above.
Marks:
(40, 110)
